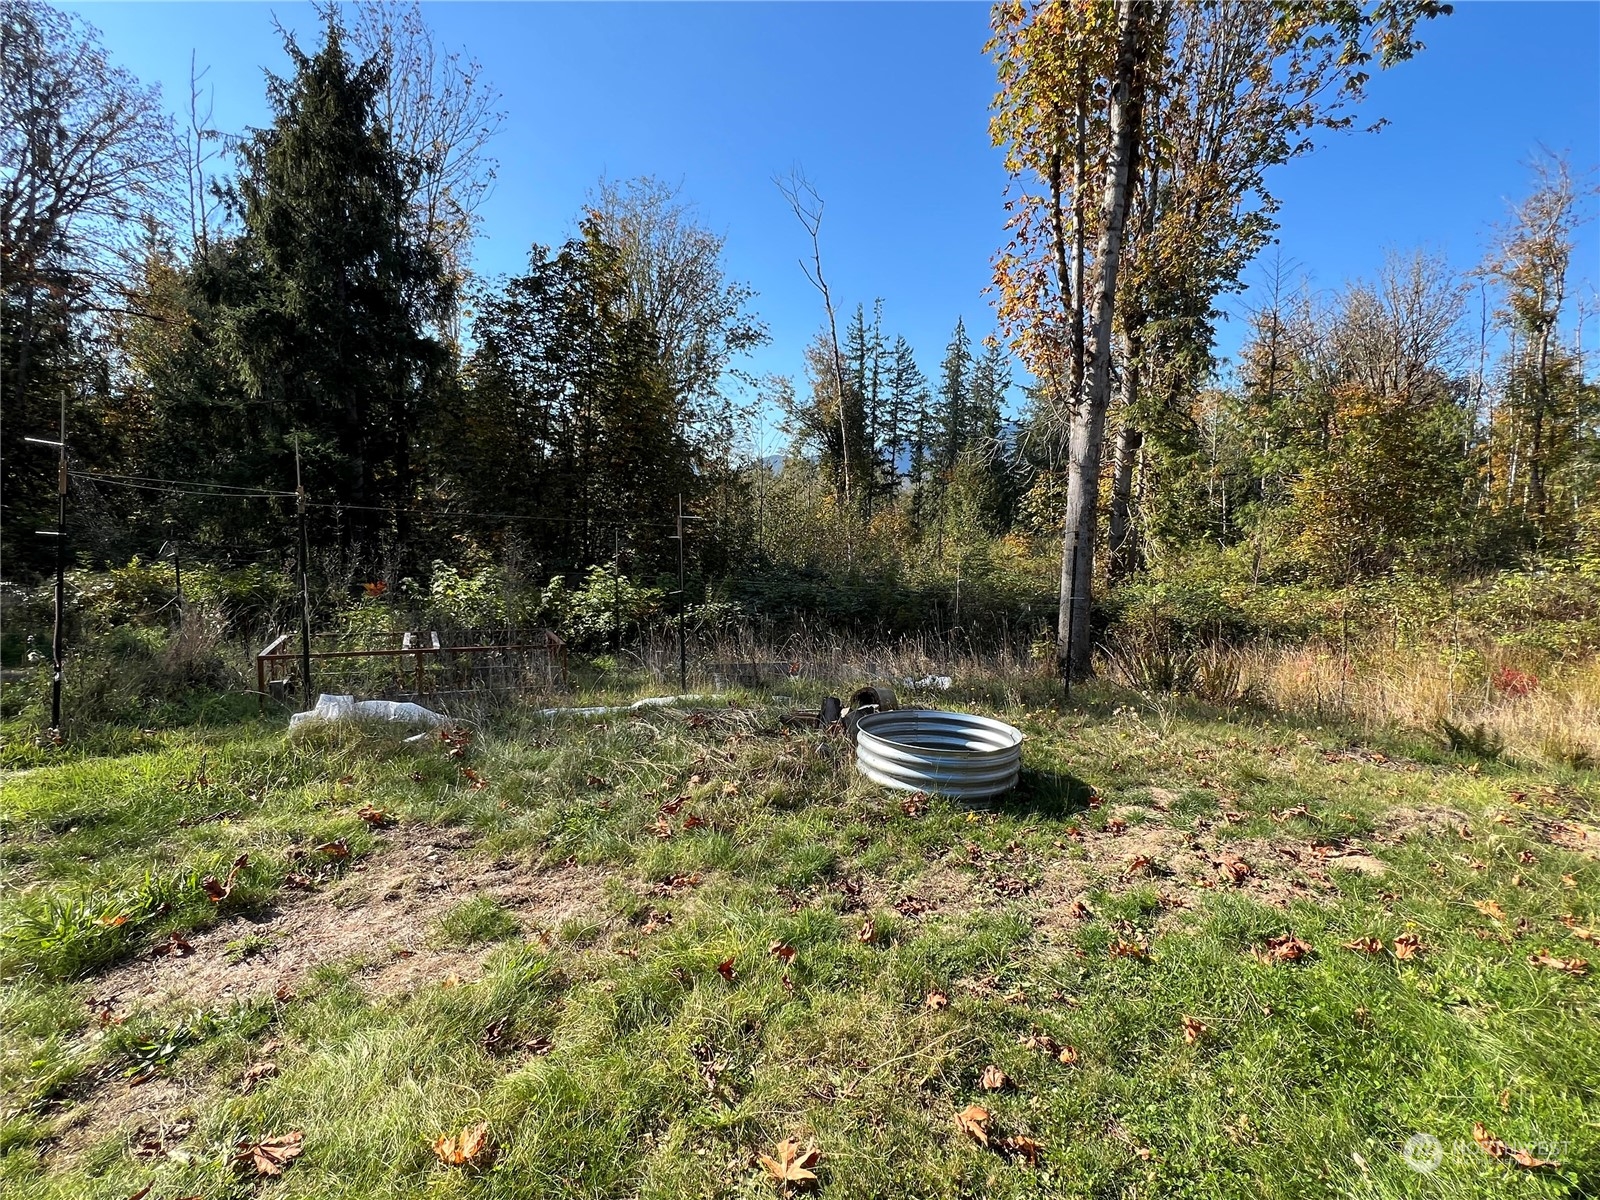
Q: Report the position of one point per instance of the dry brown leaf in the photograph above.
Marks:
(338, 848)
(782, 951)
(1285, 948)
(1238, 870)
(1026, 1147)
(973, 1121)
(992, 1079)
(1582, 933)
(218, 892)
(270, 1155)
(1068, 1056)
(1527, 857)
(377, 817)
(730, 788)
(1576, 967)
(1080, 911)
(465, 1149)
(1365, 945)
(1569, 881)
(792, 1168)
(1116, 825)
(868, 933)
(1194, 1029)
(725, 969)
(1407, 945)
(937, 1000)
(1133, 950)
(1490, 909)
(1525, 1158)
(1140, 865)
(255, 1073)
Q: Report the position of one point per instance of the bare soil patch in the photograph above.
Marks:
(381, 913)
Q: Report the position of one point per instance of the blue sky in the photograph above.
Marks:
(885, 107)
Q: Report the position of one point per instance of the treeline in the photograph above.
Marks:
(294, 309)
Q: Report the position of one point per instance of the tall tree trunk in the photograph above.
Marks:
(1081, 524)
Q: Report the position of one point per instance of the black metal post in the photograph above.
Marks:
(683, 599)
(305, 586)
(58, 640)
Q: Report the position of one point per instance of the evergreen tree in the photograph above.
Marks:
(955, 388)
(905, 416)
(330, 332)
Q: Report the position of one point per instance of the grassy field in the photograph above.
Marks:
(1198, 953)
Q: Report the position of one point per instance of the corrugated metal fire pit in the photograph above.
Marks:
(953, 754)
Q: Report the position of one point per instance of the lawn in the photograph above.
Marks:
(1197, 953)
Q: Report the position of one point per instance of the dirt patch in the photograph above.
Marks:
(1181, 865)
(381, 913)
(161, 1109)
(1402, 823)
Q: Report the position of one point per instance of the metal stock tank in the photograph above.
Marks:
(954, 754)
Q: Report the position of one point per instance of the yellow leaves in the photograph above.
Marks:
(973, 1121)
(271, 1155)
(792, 1168)
(469, 1148)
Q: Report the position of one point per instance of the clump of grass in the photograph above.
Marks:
(474, 922)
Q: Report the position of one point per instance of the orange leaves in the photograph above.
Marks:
(469, 1148)
(1490, 909)
(782, 951)
(937, 1001)
(973, 1121)
(478, 782)
(1576, 967)
(338, 848)
(270, 1155)
(725, 969)
(1237, 869)
(218, 892)
(792, 1168)
(992, 1079)
(1285, 948)
(378, 818)
(1133, 950)
(1365, 945)
(1407, 945)
(1495, 1148)
(1193, 1030)
(1141, 864)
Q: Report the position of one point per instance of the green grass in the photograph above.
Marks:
(624, 1063)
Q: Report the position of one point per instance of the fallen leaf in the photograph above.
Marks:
(1140, 865)
(792, 1168)
(1527, 858)
(338, 848)
(295, 879)
(782, 951)
(142, 1192)
(1569, 881)
(1407, 945)
(464, 1149)
(255, 1073)
(1525, 1158)
(725, 969)
(1080, 911)
(112, 923)
(271, 1155)
(1490, 909)
(538, 1046)
(974, 1122)
(868, 933)
(376, 817)
(1068, 1056)
(693, 822)
(1121, 949)
(1026, 1147)
(1285, 948)
(595, 781)
(283, 994)
(218, 892)
(915, 804)
(1576, 967)
(1580, 932)
(1116, 825)
(1365, 945)
(1505, 1100)
(1193, 1030)
(176, 946)
(730, 788)
(1236, 868)
(936, 1001)
(992, 1079)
